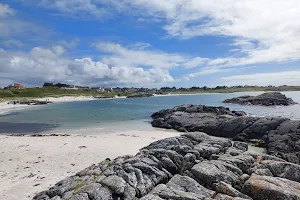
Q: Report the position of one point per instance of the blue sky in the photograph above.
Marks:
(150, 43)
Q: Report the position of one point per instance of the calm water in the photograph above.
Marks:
(122, 114)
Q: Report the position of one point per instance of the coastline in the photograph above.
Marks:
(31, 164)
(6, 108)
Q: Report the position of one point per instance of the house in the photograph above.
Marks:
(15, 86)
(71, 87)
(100, 89)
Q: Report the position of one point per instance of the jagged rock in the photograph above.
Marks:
(181, 188)
(225, 188)
(192, 166)
(284, 142)
(226, 197)
(240, 145)
(266, 99)
(216, 121)
(209, 172)
(30, 102)
(270, 188)
(115, 183)
(280, 136)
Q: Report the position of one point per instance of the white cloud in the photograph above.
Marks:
(146, 57)
(69, 44)
(12, 26)
(12, 43)
(263, 31)
(51, 64)
(5, 10)
(264, 79)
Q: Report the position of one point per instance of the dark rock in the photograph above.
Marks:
(115, 183)
(284, 142)
(179, 187)
(266, 99)
(240, 145)
(280, 136)
(192, 166)
(29, 102)
(209, 172)
(140, 95)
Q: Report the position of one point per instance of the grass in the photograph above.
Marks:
(57, 92)
(244, 89)
(48, 92)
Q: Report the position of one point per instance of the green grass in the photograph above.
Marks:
(244, 89)
(48, 92)
(30, 93)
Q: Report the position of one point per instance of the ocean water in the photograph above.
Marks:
(111, 115)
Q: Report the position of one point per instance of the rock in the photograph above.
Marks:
(280, 136)
(209, 172)
(266, 99)
(225, 188)
(240, 145)
(30, 102)
(115, 183)
(139, 95)
(179, 187)
(284, 142)
(270, 188)
(226, 197)
(192, 166)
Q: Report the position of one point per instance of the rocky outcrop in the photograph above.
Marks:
(140, 95)
(266, 99)
(192, 166)
(280, 136)
(29, 102)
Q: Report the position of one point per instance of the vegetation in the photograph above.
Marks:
(224, 89)
(49, 92)
(52, 90)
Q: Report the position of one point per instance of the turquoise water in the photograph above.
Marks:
(122, 114)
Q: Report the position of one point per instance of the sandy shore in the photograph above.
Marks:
(32, 164)
(6, 108)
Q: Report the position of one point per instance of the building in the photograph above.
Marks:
(100, 89)
(15, 86)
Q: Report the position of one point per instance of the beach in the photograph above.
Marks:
(6, 108)
(32, 164)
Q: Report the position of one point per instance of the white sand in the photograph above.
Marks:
(6, 108)
(32, 164)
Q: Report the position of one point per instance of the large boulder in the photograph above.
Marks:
(280, 136)
(270, 188)
(284, 142)
(266, 99)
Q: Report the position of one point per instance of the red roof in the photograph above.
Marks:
(15, 85)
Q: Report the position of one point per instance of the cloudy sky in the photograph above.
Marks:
(150, 43)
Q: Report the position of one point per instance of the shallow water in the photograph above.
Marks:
(123, 114)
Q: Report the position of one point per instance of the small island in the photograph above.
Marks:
(140, 95)
(265, 99)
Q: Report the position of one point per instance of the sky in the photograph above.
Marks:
(142, 43)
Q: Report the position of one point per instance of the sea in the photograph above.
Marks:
(111, 115)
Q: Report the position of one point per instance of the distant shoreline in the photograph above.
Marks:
(7, 108)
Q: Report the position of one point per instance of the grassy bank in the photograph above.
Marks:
(48, 92)
(57, 92)
(243, 89)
